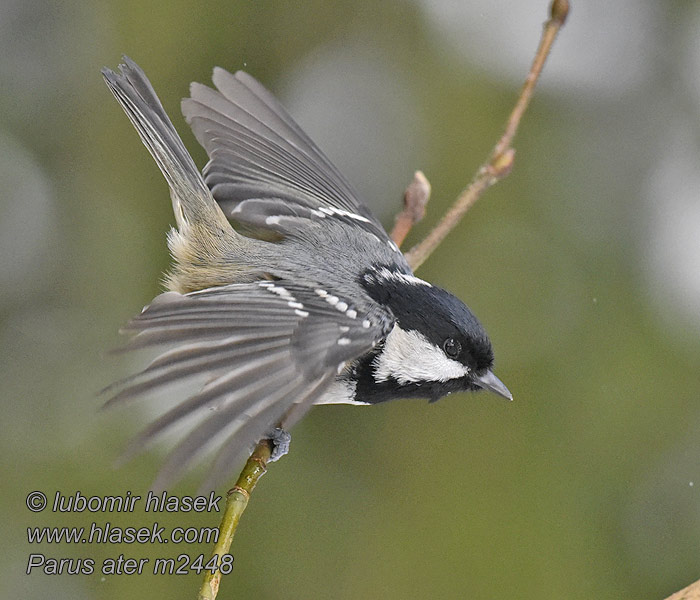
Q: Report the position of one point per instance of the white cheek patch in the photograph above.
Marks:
(409, 357)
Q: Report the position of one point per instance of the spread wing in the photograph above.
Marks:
(262, 347)
(263, 169)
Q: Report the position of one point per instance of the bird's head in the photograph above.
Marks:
(436, 347)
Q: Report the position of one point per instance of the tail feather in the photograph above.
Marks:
(191, 198)
(205, 246)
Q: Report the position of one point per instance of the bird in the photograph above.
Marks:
(285, 291)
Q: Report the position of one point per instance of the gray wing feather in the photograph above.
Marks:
(243, 151)
(268, 116)
(231, 86)
(244, 422)
(267, 347)
(184, 362)
(241, 438)
(193, 403)
(257, 151)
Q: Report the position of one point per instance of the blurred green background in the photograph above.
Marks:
(584, 265)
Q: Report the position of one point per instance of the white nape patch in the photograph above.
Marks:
(341, 392)
(386, 275)
(409, 357)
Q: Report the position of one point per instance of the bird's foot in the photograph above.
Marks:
(280, 443)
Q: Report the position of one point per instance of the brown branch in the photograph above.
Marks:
(415, 199)
(692, 592)
(500, 161)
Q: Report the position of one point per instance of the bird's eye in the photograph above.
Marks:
(452, 347)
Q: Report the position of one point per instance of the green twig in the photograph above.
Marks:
(236, 502)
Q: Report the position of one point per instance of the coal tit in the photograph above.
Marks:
(305, 301)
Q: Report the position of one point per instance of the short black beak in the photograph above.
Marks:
(490, 382)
